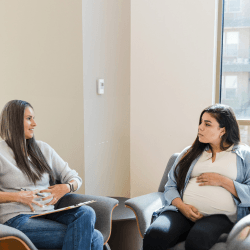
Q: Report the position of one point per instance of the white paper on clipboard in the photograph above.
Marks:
(64, 208)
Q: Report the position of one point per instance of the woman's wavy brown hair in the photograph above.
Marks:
(12, 131)
(225, 116)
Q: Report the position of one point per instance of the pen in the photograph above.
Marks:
(24, 189)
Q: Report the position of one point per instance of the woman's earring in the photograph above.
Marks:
(220, 136)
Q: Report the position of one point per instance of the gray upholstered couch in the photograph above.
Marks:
(144, 206)
(103, 208)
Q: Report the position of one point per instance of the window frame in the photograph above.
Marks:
(219, 56)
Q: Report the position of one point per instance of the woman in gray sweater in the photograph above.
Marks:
(28, 170)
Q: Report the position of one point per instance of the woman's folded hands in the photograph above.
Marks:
(28, 198)
(190, 212)
(187, 210)
(56, 192)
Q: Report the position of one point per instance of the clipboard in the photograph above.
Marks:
(64, 208)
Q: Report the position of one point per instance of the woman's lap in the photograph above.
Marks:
(172, 227)
(206, 231)
(49, 231)
(42, 232)
(166, 231)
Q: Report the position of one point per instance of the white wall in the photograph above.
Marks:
(41, 62)
(106, 54)
(172, 48)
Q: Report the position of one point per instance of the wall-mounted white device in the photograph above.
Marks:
(100, 86)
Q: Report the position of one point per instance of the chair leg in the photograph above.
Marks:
(106, 247)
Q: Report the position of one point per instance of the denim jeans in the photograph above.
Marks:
(67, 230)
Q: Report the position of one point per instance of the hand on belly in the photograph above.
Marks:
(209, 199)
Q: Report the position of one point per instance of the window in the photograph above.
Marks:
(232, 6)
(230, 43)
(229, 85)
(234, 62)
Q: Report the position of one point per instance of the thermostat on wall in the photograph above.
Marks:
(100, 86)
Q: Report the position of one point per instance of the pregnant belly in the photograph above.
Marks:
(209, 199)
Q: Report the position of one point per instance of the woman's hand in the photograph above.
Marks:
(210, 179)
(213, 179)
(190, 212)
(57, 191)
(27, 198)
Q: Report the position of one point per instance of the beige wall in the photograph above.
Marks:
(106, 55)
(156, 58)
(41, 62)
(172, 48)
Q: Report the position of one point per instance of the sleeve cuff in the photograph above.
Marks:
(171, 195)
(242, 194)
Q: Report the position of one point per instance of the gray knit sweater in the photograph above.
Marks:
(12, 179)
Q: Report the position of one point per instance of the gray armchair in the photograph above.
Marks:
(12, 239)
(144, 206)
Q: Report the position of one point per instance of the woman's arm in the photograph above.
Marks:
(25, 197)
(214, 179)
(61, 170)
(171, 191)
(6, 197)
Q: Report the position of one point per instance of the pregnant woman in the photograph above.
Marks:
(208, 189)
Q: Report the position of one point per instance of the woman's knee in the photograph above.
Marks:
(152, 233)
(89, 211)
(153, 239)
(166, 231)
(97, 240)
(87, 215)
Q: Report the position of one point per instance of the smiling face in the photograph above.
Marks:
(29, 123)
(209, 130)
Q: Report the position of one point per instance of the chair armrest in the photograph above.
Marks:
(103, 209)
(143, 207)
(7, 232)
(234, 240)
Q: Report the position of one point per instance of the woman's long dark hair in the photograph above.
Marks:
(225, 116)
(12, 131)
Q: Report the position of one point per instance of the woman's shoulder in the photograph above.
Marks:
(242, 147)
(185, 149)
(44, 146)
(4, 147)
(5, 150)
(183, 152)
(3, 144)
(243, 150)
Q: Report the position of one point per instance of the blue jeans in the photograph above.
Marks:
(67, 230)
